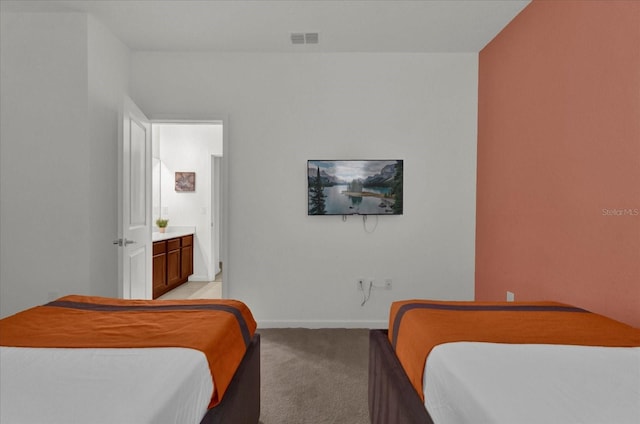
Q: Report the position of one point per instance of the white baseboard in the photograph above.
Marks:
(372, 324)
(200, 278)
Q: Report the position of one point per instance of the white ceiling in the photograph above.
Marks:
(265, 25)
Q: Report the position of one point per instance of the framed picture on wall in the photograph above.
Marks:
(185, 181)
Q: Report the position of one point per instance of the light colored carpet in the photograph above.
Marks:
(314, 376)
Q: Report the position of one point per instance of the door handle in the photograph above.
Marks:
(126, 242)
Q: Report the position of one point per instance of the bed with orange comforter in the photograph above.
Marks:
(420, 331)
(216, 336)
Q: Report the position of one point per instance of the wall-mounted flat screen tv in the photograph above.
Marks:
(354, 187)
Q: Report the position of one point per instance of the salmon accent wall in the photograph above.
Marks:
(558, 184)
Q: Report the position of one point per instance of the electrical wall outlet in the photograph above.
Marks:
(388, 283)
(510, 296)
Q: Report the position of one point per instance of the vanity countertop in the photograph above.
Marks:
(172, 233)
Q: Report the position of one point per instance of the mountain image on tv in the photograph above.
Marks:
(350, 187)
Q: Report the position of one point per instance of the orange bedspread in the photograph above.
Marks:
(416, 326)
(222, 329)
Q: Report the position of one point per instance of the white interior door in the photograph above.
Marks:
(216, 186)
(134, 222)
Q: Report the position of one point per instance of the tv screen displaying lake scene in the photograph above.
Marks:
(355, 187)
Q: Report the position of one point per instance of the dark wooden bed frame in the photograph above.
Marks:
(241, 401)
(392, 398)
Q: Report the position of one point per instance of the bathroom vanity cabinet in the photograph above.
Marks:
(172, 263)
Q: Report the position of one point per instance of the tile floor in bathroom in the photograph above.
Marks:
(196, 290)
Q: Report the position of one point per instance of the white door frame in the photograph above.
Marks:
(216, 210)
(224, 210)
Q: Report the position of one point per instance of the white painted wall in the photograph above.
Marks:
(60, 75)
(295, 270)
(108, 64)
(188, 148)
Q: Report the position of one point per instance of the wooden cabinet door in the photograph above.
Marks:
(187, 262)
(173, 267)
(159, 274)
(159, 263)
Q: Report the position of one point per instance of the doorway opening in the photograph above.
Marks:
(193, 148)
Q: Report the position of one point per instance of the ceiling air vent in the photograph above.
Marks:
(304, 38)
(297, 38)
(311, 38)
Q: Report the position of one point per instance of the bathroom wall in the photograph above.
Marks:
(187, 148)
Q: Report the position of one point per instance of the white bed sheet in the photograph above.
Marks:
(481, 383)
(110, 386)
